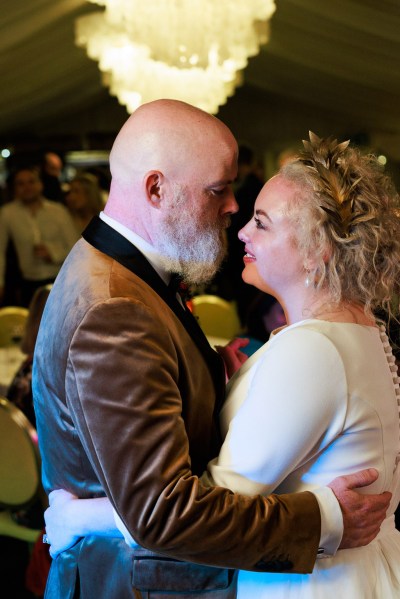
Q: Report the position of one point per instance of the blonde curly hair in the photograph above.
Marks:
(349, 222)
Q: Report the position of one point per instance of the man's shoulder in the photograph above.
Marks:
(10, 208)
(92, 268)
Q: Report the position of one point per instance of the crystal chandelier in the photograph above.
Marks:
(190, 50)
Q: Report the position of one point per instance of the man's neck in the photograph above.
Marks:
(33, 206)
(150, 253)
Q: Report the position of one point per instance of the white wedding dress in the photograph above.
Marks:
(320, 399)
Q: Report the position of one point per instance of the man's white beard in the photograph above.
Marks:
(192, 249)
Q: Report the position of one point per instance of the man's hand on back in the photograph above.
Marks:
(362, 514)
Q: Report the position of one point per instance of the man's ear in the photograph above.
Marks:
(153, 182)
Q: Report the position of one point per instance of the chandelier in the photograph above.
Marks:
(189, 50)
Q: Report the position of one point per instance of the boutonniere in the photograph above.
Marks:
(178, 285)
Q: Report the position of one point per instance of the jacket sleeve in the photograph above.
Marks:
(122, 384)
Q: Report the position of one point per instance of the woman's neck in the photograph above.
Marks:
(319, 305)
(345, 312)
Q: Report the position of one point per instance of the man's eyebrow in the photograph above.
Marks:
(263, 213)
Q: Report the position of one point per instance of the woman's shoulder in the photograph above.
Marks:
(317, 338)
(325, 328)
(305, 342)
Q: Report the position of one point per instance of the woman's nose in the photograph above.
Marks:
(244, 233)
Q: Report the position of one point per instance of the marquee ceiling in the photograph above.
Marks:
(327, 60)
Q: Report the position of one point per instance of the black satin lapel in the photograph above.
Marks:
(105, 239)
(110, 242)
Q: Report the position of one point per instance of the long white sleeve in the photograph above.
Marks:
(293, 402)
(284, 408)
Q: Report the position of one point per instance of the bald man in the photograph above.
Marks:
(127, 390)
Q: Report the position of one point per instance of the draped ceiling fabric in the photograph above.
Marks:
(334, 61)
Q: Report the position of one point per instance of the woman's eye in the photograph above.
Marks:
(259, 224)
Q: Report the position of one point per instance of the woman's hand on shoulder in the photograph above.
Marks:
(232, 356)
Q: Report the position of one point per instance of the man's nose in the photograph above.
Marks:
(230, 206)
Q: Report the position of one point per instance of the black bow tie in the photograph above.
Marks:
(177, 285)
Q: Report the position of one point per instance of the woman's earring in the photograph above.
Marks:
(307, 281)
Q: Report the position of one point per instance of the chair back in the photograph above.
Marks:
(12, 325)
(19, 458)
(217, 317)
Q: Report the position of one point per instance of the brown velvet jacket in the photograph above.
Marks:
(127, 392)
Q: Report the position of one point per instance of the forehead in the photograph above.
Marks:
(53, 160)
(275, 196)
(213, 162)
(26, 176)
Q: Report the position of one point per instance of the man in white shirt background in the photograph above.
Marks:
(42, 232)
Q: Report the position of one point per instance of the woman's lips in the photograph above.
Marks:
(248, 257)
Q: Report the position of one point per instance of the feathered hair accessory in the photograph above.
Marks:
(324, 157)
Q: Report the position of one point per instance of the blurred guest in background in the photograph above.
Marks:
(287, 155)
(42, 232)
(84, 199)
(20, 394)
(20, 390)
(30, 565)
(265, 314)
(51, 171)
(103, 176)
